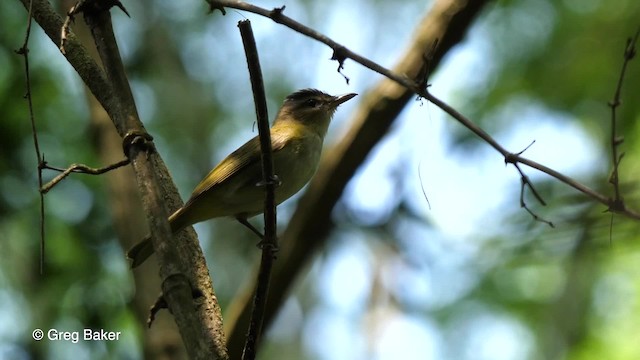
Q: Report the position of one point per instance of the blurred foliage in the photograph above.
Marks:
(564, 54)
(521, 291)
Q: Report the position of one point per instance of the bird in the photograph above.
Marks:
(232, 188)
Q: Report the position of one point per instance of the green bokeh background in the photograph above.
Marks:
(572, 292)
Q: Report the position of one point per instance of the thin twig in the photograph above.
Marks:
(341, 53)
(78, 168)
(424, 192)
(24, 51)
(66, 26)
(524, 183)
(269, 243)
(616, 141)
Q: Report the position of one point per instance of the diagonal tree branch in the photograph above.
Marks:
(129, 218)
(446, 23)
(341, 53)
(178, 286)
(183, 269)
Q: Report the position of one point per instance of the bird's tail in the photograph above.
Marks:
(141, 251)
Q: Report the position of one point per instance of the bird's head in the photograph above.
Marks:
(311, 107)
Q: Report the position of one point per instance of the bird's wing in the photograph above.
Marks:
(244, 156)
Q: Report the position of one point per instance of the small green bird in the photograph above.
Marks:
(230, 189)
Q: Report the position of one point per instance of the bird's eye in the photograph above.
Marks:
(311, 103)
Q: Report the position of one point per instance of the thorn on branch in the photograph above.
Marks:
(121, 7)
(42, 164)
(158, 305)
(526, 148)
(630, 50)
(214, 6)
(511, 158)
(339, 54)
(22, 51)
(618, 140)
(277, 12)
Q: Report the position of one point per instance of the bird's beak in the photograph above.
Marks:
(342, 98)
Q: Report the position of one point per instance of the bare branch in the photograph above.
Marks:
(24, 51)
(78, 168)
(269, 244)
(616, 141)
(524, 183)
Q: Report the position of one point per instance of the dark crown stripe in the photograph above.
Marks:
(305, 94)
